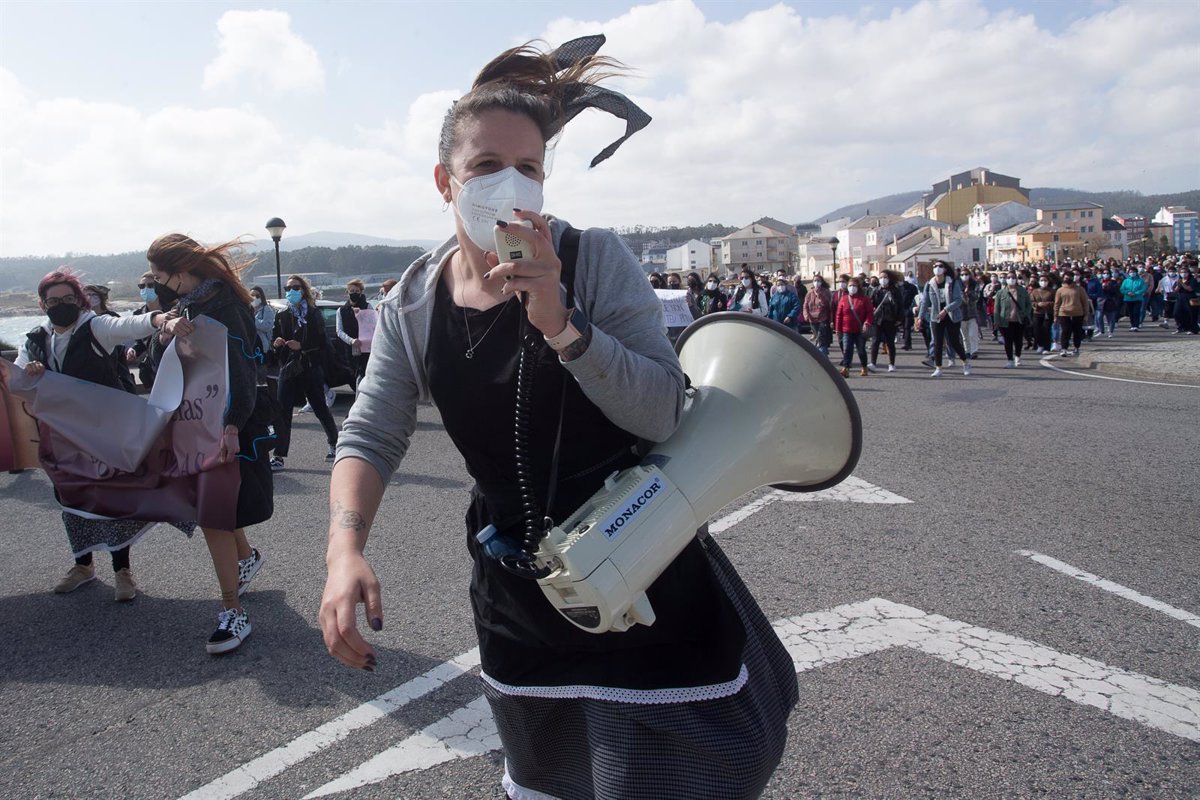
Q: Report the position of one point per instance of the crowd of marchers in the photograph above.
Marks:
(1049, 308)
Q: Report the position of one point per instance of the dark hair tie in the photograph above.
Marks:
(586, 95)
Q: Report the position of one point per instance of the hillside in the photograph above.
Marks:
(123, 269)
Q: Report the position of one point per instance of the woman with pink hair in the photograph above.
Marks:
(75, 341)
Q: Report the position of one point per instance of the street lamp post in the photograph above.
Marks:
(833, 244)
(275, 227)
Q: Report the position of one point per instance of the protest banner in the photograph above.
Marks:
(118, 455)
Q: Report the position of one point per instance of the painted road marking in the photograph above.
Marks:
(468, 732)
(1115, 588)
(268, 765)
(1045, 362)
(849, 631)
(851, 490)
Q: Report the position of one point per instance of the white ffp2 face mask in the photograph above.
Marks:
(486, 198)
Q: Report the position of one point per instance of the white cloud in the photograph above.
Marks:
(260, 47)
(772, 113)
(783, 114)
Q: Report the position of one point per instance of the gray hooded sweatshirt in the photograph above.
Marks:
(629, 370)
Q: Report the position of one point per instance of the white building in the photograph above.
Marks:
(863, 244)
(691, 255)
(935, 241)
(994, 217)
(1185, 227)
(760, 248)
(814, 257)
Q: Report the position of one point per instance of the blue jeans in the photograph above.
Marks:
(1111, 317)
(850, 343)
(824, 336)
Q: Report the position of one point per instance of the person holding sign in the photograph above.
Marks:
(78, 342)
(202, 280)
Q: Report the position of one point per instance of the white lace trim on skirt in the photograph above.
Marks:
(690, 694)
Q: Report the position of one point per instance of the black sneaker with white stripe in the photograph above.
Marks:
(233, 626)
(248, 568)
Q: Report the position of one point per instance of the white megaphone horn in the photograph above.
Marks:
(743, 369)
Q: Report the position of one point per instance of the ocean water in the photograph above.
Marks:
(13, 329)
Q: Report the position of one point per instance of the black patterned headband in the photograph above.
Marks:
(586, 95)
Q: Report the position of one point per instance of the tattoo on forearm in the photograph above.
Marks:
(576, 348)
(346, 519)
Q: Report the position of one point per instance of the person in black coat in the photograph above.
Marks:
(888, 299)
(909, 292)
(347, 329)
(302, 347)
(195, 280)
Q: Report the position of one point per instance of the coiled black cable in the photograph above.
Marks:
(524, 563)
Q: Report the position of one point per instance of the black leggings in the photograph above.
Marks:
(120, 559)
(1072, 328)
(311, 386)
(945, 332)
(1041, 330)
(885, 333)
(1014, 337)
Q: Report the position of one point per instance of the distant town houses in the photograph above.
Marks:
(974, 217)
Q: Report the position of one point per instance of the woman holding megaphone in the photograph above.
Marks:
(696, 702)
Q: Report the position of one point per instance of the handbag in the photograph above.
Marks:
(292, 368)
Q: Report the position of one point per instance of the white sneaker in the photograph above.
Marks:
(1017, 361)
(937, 372)
(950, 362)
(1054, 347)
(1110, 334)
(872, 368)
(966, 368)
(891, 367)
(307, 409)
(1010, 365)
(330, 396)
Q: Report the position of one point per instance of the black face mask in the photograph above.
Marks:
(63, 315)
(358, 299)
(166, 295)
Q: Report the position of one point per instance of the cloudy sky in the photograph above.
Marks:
(121, 121)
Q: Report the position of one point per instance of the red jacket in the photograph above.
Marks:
(845, 321)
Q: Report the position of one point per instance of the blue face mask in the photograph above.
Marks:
(148, 294)
(294, 296)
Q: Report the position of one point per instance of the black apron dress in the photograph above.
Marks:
(694, 705)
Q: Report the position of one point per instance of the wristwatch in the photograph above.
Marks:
(576, 324)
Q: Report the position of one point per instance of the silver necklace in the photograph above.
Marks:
(470, 353)
(467, 323)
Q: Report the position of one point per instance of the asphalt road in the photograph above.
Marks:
(120, 700)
